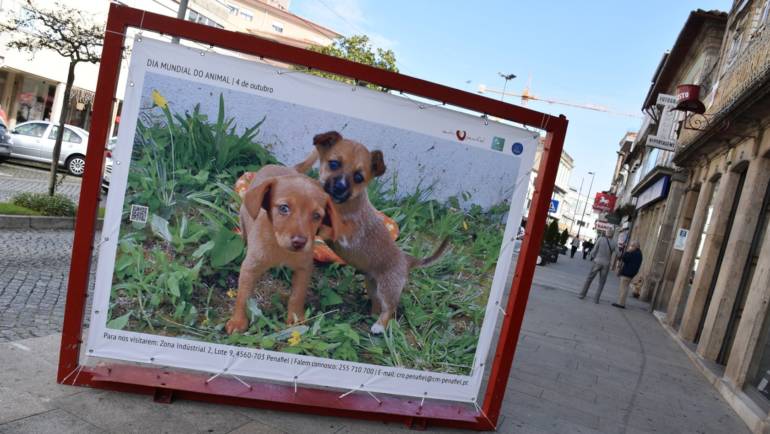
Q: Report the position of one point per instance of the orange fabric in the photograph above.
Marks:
(321, 251)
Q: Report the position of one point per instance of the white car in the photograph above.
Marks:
(34, 141)
(107, 173)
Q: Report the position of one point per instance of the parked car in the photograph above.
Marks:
(35, 140)
(5, 141)
(107, 173)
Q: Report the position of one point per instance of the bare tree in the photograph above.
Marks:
(69, 32)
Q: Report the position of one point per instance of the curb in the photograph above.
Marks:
(41, 222)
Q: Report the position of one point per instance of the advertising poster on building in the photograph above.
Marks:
(381, 268)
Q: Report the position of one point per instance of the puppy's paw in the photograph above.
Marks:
(295, 317)
(236, 325)
(377, 329)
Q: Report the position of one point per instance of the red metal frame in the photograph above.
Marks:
(165, 383)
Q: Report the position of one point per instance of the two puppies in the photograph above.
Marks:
(283, 210)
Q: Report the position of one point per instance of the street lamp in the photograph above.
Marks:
(507, 78)
(577, 205)
(588, 196)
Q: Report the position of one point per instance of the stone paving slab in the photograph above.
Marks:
(579, 368)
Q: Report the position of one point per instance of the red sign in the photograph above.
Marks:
(688, 98)
(604, 202)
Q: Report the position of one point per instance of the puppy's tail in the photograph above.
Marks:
(424, 262)
(304, 166)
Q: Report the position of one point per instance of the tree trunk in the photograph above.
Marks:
(60, 133)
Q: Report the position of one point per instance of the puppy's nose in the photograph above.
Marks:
(340, 185)
(298, 242)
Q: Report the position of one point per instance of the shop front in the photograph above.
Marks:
(26, 97)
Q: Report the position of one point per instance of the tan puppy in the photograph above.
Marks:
(281, 213)
(347, 167)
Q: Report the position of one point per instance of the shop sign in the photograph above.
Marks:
(602, 225)
(604, 202)
(667, 117)
(656, 191)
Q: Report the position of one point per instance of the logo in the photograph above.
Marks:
(460, 135)
(498, 143)
(517, 148)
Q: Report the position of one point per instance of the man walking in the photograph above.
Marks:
(600, 255)
(587, 246)
(632, 260)
(575, 244)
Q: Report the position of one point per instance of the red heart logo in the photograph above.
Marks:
(460, 135)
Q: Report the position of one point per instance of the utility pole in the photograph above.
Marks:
(180, 14)
(582, 216)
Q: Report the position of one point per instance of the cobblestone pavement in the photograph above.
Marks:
(34, 266)
(16, 177)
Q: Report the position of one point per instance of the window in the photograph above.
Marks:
(736, 40)
(246, 15)
(36, 129)
(232, 9)
(760, 19)
(650, 161)
(69, 135)
(201, 19)
(278, 27)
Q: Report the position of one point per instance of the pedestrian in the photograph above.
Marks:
(587, 246)
(575, 245)
(601, 255)
(632, 260)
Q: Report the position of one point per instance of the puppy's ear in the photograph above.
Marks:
(326, 140)
(378, 163)
(331, 226)
(258, 198)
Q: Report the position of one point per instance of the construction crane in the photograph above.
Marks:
(527, 96)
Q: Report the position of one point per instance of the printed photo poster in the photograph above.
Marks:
(380, 267)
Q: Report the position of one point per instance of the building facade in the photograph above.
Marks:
(714, 285)
(562, 207)
(32, 86)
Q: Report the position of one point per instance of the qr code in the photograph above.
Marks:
(138, 214)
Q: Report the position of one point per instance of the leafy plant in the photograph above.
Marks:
(56, 205)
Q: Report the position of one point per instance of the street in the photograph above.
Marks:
(579, 367)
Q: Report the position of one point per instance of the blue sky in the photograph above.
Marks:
(588, 52)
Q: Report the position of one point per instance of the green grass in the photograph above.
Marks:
(175, 275)
(7, 208)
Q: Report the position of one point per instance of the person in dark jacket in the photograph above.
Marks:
(587, 247)
(632, 260)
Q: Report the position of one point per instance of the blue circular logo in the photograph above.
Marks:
(517, 148)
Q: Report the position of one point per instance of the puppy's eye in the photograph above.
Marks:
(334, 164)
(358, 177)
(283, 209)
(316, 216)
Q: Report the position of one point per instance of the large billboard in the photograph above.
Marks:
(264, 222)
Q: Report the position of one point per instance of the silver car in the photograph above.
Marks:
(34, 141)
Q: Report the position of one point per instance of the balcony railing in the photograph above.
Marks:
(750, 68)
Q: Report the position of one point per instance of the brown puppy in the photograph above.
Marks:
(281, 213)
(347, 167)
